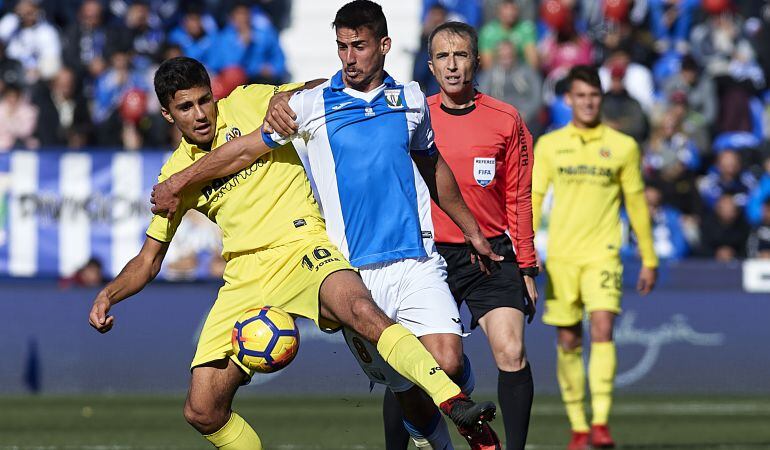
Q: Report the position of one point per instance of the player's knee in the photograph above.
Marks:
(450, 361)
(205, 420)
(569, 341)
(510, 357)
(368, 319)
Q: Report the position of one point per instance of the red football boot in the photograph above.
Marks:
(600, 437)
(481, 437)
(579, 441)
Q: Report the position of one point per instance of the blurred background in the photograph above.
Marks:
(82, 142)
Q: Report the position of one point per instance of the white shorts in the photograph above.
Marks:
(414, 293)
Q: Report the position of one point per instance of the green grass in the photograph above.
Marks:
(156, 422)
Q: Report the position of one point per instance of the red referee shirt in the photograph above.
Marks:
(489, 149)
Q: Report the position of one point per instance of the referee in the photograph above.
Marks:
(489, 149)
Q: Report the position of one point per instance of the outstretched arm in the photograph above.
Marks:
(142, 269)
(446, 194)
(225, 160)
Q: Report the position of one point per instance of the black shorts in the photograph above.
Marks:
(483, 293)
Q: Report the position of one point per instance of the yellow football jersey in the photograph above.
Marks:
(267, 203)
(589, 169)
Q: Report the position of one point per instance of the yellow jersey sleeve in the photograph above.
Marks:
(631, 172)
(541, 172)
(160, 228)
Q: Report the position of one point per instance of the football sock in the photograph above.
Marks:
(435, 435)
(235, 435)
(406, 354)
(468, 380)
(601, 375)
(396, 436)
(515, 391)
(572, 379)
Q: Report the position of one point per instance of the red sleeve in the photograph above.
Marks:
(518, 193)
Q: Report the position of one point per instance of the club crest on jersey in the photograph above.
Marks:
(232, 134)
(604, 152)
(484, 170)
(393, 98)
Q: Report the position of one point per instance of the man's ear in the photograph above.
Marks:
(166, 115)
(430, 67)
(385, 45)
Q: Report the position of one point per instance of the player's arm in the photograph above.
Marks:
(139, 271)
(518, 206)
(446, 194)
(639, 217)
(280, 117)
(541, 179)
(225, 160)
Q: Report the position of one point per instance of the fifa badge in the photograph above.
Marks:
(484, 170)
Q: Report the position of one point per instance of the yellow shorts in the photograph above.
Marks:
(288, 276)
(572, 288)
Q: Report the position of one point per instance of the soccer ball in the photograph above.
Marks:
(265, 339)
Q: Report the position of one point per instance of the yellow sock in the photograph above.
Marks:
(405, 353)
(572, 382)
(601, 376)
(235, 435)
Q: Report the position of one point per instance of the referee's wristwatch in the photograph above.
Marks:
(530, 271)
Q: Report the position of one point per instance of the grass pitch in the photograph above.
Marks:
(156, 422)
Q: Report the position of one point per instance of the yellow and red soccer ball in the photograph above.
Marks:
(265, 339)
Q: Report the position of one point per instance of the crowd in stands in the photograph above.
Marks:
(78, 73)
(686, 78)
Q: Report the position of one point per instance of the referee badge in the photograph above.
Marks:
(484, 170)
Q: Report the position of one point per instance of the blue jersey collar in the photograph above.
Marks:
(337, 84)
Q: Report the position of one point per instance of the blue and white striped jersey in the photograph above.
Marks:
(376, 204)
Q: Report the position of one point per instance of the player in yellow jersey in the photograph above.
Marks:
(270, 224)
(589, 165)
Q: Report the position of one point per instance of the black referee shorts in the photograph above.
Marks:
(483, 293)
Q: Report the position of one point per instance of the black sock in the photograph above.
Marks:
(515, 391)
(396, 436)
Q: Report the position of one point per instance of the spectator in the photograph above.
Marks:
(670, 22)
(727, 178)
(11, 70)
(85, 41)
(194, 34)
(509, 26)
(111, 87)
(690, 122)
(64, 119)
(637, 79)
(564, 48)
(144, 37)
(467, 11)
(31, 40)
(421, 73)
(622, 112)
(256, 49)
(671, 162)
(724, 231)
(759, 240)
(514, 83)
(667, 229)
(698, 86)
(18, 118)
(759, 196)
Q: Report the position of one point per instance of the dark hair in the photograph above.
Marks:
(586, 74)
(459, 29)
(177, 74)
(362, 13)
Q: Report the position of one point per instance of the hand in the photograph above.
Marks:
(531, 295)
(647, 278)
(98, 317)
(165, 198)
(482, 252)
(280, 116)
